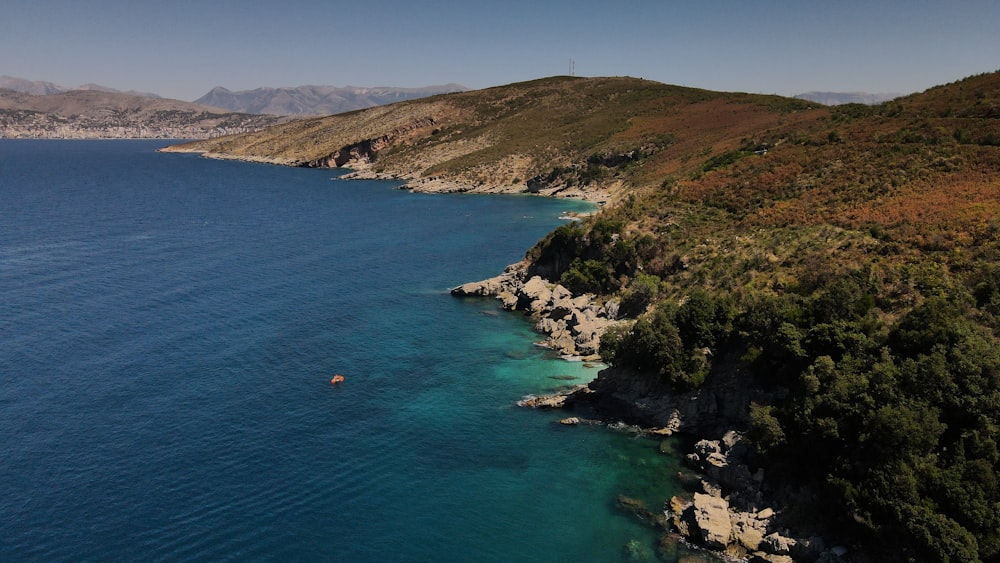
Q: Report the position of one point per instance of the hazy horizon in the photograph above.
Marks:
(183, 49)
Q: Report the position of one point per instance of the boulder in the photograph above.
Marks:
(559, 293)
(711, 516)
(536, 289)
(508, 299)
(481, 288)
(610, 309)
(750, 538)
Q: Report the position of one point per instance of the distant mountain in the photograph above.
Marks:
(35, 88)
(839, 98)
(97, 114)
(41, 88)
(315, 100)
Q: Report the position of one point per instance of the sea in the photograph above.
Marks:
(169, 329)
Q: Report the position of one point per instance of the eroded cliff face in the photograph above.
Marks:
(642, 400)
(362, 153)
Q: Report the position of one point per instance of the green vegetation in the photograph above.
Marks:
(853, 269)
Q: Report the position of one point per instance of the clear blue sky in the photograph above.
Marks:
(183, 48)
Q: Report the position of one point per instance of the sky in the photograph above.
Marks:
(183, 48)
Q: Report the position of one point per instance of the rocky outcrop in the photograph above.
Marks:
(731, 515)
(721, 403)
(362, 153)
(573, 325)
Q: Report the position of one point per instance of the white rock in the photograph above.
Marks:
(711, 514)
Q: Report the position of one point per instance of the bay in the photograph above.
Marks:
(168, 331)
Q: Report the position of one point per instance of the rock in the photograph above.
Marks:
(716, 459)
(610, 309)
(638, 508)
(571, 421)
(711, 488)
(729, 439)
(559, 293)
(560, 310)
(705, 447)
(765, 514)
(509, 300)
(750, 538)
(536, 290)
(549, 326)
(711, 515)
(677, 511)
(543, 402)
(563, 342)
(777, 544)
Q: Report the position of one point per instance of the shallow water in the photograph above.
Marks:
(169, 328)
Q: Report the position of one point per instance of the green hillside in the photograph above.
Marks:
(853, 269)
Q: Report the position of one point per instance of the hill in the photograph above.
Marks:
(315, 100)
(529, 137)
(823, 280)
(98, 114)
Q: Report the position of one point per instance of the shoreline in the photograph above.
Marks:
(729, 512)
(358, 169)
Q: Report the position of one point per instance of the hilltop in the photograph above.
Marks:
(99, 114)
(821, 280)
(315, 100)
(556, 136)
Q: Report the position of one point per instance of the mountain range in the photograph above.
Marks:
(39, 109)
(315, 100)
(42, 88)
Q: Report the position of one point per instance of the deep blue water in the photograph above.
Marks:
(168, 329)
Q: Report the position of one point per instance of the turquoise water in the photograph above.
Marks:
(169, 328)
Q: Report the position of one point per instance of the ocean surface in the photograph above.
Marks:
(169, 326)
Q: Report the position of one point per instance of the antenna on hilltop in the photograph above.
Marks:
(572, 67)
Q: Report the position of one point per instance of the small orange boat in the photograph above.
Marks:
(337, 379)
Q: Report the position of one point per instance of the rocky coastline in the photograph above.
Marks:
(728, 510)
(572, 325)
